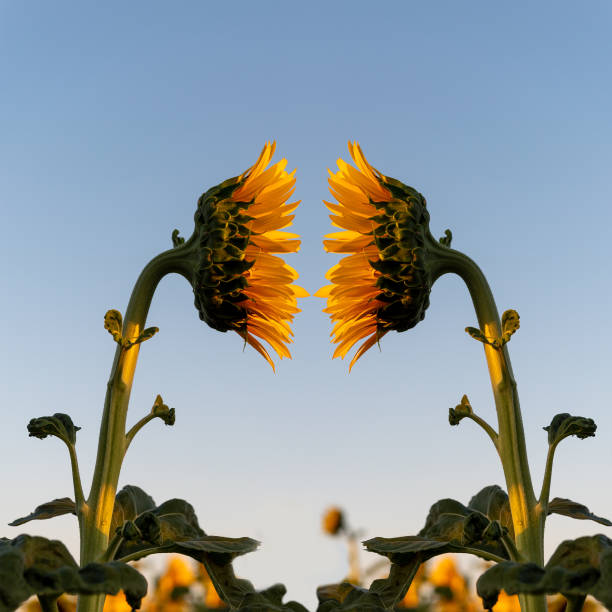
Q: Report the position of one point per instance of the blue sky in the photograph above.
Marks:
(115, 117)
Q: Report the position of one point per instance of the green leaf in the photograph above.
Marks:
(147, 334)
(59, 425)
(451, 527)
(347, 597)
(493, 502)
(577, 568)
(475, 333)
(159, 409)
(113, 323)
(570, 508)
(57, 507)
(510, 323)
(459, 412)
(129, 503)
(31, 565)
(564, 425)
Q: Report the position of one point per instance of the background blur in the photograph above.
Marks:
(115, 117)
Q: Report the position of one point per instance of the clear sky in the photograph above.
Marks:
(115, 117)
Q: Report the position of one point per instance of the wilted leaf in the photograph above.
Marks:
(577, 568)
(32, 565)
(57, 507)
(564, 425)
(59, 425)
(570, 508)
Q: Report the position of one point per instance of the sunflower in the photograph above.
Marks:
(382, 283)
(239, 283)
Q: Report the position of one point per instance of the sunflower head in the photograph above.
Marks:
(384, 280)
(239, 283)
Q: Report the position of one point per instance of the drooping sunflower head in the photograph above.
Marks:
(240, 284)
(383, 282)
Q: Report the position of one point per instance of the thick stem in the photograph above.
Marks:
(527, 521)
(96, 514)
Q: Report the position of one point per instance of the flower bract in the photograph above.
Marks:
(240, 282)
(382, 282)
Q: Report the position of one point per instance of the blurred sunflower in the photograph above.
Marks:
(240, 284)
(382, 283)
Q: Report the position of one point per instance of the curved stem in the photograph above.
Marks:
(488, 429)
(95, 516)
(79, 497)
(528, 524)
(137, 427)
(545, 491)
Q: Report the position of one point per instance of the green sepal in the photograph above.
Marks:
(32, 565)
(447, 238)
(59, 425)
(176, 239)
(113, 323)
(57, 507)
(159, 409)
(564, 425)
(567, 507)
(459, 412)
(577, 568)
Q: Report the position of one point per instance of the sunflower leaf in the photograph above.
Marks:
(129, 503)
(564, 425)
(577, 568)
(31, 565)
(113, 323)
(57, 507)
(475, 333)
(147, 334)
(510, 324)
(59, 425)
(479, 528)
(567, 507)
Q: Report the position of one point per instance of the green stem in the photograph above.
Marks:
(545, 492)
(526, 518)
(488, 429)
(137, 427)
(96, 514)
(79, 497)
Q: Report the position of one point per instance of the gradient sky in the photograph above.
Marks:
(116, 116)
